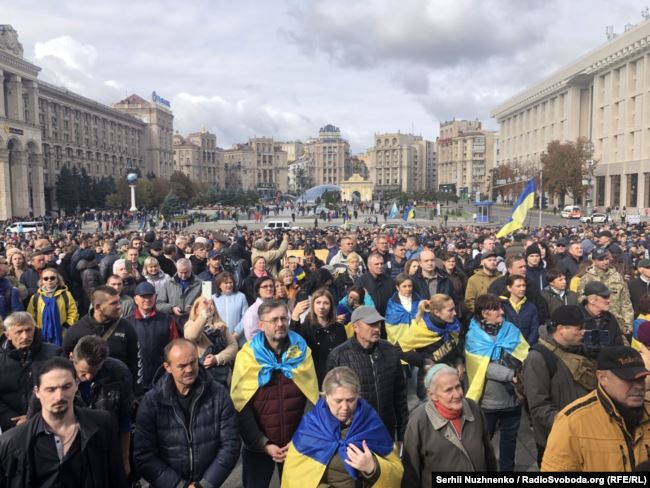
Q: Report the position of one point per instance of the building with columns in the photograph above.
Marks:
(331, 156)
(401, 162)
(465, 157)
(198, 157)
(604, 97)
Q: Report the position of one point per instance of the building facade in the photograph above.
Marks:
(401, 162)
(258, 165)
(198, 157)
(294, 150)
(604, 97)
(331, 156)
(300, 174)
(465, 157)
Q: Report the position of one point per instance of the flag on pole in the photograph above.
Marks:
(519, 211)
(393, 211)
(409, 212)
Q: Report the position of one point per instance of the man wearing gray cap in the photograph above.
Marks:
(601, 327)
(377, 362)
(601, 271)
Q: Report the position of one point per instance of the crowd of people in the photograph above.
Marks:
(169, 355)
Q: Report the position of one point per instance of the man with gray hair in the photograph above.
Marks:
(21, 354)
(178, 294)
(446, 417)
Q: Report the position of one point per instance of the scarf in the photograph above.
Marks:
(442, 330)
(51, 321)
(290, 359)
(453, 416)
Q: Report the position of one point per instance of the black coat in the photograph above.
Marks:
(638, 288)
(382, 381)
(100, 451)
(533, 295)
(381, 289)
(167, 453)
(17, 370)
(605, 322)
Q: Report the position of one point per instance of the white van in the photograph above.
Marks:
(571, 212)
(278, 225)
(25, 227)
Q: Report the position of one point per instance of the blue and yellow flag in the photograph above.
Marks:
(524, 203)
(422, 333)
(318, 439)
(255, 364)
(409, 212)
(393, 211)
(480, 349)
(398, 319)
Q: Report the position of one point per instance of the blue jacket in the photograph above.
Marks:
(168, 452)
(526, 319)
(16, 305)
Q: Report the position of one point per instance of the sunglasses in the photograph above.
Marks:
(48, 278)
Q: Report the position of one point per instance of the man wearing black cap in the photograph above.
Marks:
(601, 271)
(535, 271)
(606, 240)
(155, 330)
(166, 264)
(609, 428)
(556, 371)
(641, 285)
(561, 247)
(214, 266)
(602, 328)
(482, 278)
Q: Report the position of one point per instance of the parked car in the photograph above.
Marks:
(571, 212)
(25, 227)
(596, 218)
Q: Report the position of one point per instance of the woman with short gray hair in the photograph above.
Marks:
(446, 433)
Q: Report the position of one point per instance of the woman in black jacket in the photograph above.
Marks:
(320, 328)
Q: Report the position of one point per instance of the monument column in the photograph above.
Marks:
(32, 96)
(19, 184)
(5, 185)
(3, 112)
(15, 108)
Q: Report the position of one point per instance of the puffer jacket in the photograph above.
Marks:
(547, 394)
(477, 284)
(590, 435)
(68, 312)
(382, 380)
(18, 367)
(167, 452)
(620, 302)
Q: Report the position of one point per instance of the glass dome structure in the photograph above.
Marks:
(314, 192)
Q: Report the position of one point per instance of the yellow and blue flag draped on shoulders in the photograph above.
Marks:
(398, 319)
(635, 330)
(255, 363)
(318, 439)
(409, 212)
(480, 349)
(519, 211)
(423, 333)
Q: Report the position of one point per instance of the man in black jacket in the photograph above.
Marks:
(571, 261)
(377, 363)
(380, 286)
(104, 321)
(61, 445)
(186, 431)
(428, 281)
(641, 285)
(601, 327)
(166, 264)
(22, 352)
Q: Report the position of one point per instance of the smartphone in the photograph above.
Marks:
(129, 267)
(206, 289)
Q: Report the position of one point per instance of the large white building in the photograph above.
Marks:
(604, 96)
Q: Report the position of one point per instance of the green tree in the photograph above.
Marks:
(66, 190)
(182, 186)
(171, 206)
(564, 166)
(144, 193)
(86, 196)
(114, 201)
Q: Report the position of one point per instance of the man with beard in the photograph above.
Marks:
(58, 446)
(609, 428)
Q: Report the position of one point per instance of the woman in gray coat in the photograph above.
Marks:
(446, 433)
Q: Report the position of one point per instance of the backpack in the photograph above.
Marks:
(550, 360)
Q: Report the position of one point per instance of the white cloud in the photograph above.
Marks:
(75, 55)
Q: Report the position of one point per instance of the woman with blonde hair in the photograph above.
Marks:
(217, 346)
(434, 337)
(286, 277)
(153, 274)
(17, 266)
(53, 306)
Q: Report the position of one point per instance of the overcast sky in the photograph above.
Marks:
(285, 68)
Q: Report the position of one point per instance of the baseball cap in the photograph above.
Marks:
(366, 314)
(644, 263)
(599, 253)
(221, 237)
(488, 254)
(597, 288)
(215, 254)
(606, 233)
(145, 288)
(568, 315)
(562, 242)
(156, 246)
(623, 361)
(122, 242)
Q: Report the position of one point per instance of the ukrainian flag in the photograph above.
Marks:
(422, 333)
(409, 213)
(318, 439)
(255, 364)
(398, 319)
(635, 330)
(481, 348)
(524, 203)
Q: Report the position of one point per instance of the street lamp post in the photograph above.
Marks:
(589, 148)
(132, 178)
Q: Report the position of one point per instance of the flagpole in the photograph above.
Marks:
(541, 194)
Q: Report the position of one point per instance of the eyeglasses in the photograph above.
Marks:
(48, 278)
(277, 320)
(267, 286)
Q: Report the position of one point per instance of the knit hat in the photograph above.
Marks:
(432, 371)
(568, 315)
(533, 249)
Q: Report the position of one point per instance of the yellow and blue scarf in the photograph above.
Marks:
(424, 332)
(255, 364)
(318, 438)
(481, 348)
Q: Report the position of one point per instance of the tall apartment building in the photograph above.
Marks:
(604, 96)
(401, 162)
(294, 149)
(465, 157)
(260, 164)
(46, 128)
(331, 156)
(198, 157)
